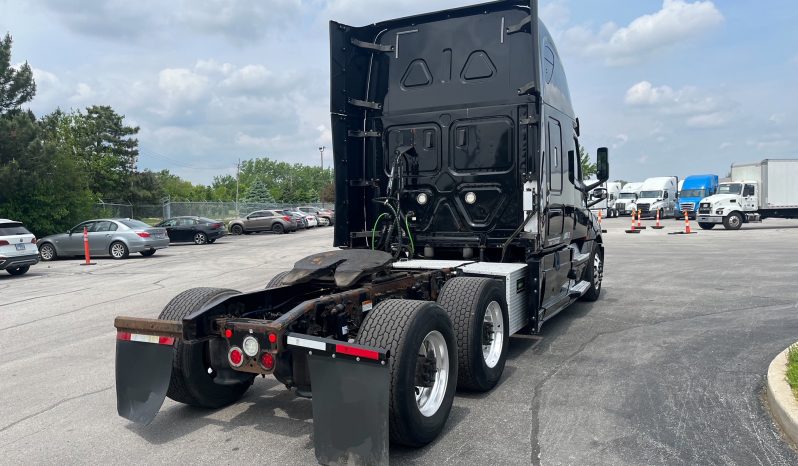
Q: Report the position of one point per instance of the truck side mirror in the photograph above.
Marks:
(602, 164)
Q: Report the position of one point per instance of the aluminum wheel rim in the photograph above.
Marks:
(597, 271)
(492, 352)
(430, 399)
(46, 252)
(199, 238)
(118, 250)
(734, 220)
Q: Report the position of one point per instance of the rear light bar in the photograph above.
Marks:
(4, 242)
(326, 346)
(143, 234)
(160, 340)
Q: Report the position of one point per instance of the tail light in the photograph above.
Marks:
(216, 225)
(143, 234)
(267, 360)
(286, 218)
(4, 242)
(33, 241)
(235, 356)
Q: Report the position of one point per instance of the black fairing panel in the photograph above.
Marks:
(447, 84)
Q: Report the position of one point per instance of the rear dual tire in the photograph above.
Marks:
(407, 328)
(478, 311)
(191, 381)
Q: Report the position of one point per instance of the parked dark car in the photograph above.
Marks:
(325, 216)
(301, 222)
(263, 220)
(199, 230)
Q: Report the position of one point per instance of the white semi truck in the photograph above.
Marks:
(757, 191)
(627, 198)
(658, 194)
(607, 205)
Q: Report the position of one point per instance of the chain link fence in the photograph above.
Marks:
(224, 211)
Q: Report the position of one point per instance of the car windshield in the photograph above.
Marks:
(731, 188)
(650, 194)
(626, 196)
(692, 193)
(130, 223)
(11, 229)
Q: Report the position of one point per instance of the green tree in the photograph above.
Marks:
(103, 145)
(47, 189)
(16, 85)
(259, 193)
(588, 168)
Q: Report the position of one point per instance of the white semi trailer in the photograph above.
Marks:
(757, 191)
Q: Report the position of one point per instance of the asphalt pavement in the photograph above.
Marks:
(668, 367)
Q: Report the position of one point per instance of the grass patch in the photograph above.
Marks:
(792, 369)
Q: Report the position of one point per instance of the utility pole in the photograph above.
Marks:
(238, 175)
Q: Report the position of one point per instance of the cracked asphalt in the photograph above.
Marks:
(668, 367)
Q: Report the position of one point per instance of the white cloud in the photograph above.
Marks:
(182, 84)
(725, 145)
(709, 120)
(143, 20)
(699, 110)
(677, 21)
(620, 140)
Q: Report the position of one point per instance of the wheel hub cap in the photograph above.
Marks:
(492, 334)
(434, 355)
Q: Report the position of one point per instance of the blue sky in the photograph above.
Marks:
(672, 87)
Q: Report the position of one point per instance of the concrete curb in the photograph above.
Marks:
(782, 402)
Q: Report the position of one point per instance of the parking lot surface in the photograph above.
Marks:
(668, 367)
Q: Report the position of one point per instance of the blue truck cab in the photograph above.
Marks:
(695, 188)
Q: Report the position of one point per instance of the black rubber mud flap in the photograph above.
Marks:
(350, 401)
(143, 371)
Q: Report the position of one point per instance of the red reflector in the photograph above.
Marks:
(3, 242)
(228, 333)
(272, 338)
(143, 234)
(123, 336)
(236, 356)
(352, 351)
(267, 360)
(166, 340)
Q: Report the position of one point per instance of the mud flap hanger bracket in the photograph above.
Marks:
(350, 386)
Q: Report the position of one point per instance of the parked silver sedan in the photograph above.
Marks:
(115, 237)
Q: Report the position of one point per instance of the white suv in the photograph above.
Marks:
(18, 249)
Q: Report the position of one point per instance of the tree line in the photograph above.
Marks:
(56, 168)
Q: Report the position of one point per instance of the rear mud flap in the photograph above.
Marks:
(143, 371)
(350, 401)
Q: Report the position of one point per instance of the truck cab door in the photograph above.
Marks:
(750, 198)
(553, 181)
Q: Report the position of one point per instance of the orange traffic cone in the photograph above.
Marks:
(687, 230)
(86, 247)
(632, 229)
(639, 226)
(658, 226)
(599, 222)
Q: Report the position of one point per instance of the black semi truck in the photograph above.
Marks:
(461, 219)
